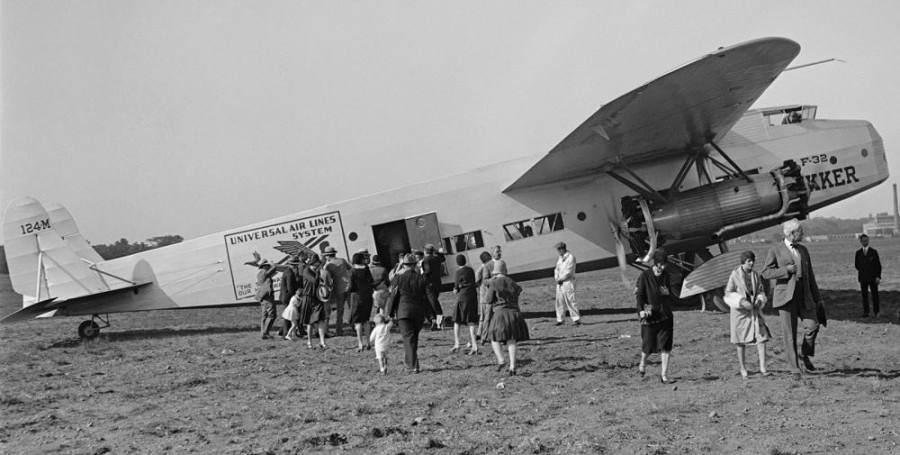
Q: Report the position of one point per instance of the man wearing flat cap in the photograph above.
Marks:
(565, 285)
(266, 296)
(411, 302)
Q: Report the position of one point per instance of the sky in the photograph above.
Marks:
(190, 118)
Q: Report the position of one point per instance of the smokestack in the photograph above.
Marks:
(896, 214)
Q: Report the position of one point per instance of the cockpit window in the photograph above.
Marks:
(789, 115)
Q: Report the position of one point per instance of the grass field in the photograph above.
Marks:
(201, 381)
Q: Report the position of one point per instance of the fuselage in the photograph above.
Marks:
(469, 212)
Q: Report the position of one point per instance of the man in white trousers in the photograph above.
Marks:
(565, 285)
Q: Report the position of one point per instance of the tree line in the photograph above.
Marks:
(117, 249)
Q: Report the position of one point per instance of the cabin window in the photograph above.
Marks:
(535, 226)
(463, 242)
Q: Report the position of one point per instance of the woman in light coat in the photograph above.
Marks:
(746, 297)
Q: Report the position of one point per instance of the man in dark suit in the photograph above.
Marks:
(796, 295)
(412, 299)
(431, 269)
(868, 264)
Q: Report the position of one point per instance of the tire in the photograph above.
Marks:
(88, 330)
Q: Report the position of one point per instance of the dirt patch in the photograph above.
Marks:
(181, 381)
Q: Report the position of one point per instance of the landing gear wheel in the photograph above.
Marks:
(88, 330)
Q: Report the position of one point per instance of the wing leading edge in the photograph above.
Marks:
(683, 109)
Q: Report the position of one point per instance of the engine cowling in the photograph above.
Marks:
(714, 209)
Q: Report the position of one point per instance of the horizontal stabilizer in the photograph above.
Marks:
(711, 275)
(41, 309)
(30, 312)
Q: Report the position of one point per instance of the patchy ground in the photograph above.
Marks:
(201, 381)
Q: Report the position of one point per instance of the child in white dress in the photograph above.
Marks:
(381, 338)
(292, 313)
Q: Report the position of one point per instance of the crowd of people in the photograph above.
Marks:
(405, 298)
(487, 302)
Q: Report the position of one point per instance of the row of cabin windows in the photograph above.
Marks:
(512, 231)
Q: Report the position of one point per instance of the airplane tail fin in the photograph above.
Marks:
(65, 226)
(42, 263)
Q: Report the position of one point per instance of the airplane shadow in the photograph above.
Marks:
(145, 334)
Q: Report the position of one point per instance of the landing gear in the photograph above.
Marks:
(90, 329)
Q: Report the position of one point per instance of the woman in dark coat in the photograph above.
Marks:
(507, 323)
(654, 304)
(466, 310)
(312, 310)
(361, 300)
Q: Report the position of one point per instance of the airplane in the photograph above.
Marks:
(680, 162)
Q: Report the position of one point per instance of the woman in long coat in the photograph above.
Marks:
(312, 310)
(655, 310)
(482, 279)
(507, 323)
(361, 300)
(466, 310)
(746, 297)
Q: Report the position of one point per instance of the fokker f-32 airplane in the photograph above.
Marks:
(678, 162)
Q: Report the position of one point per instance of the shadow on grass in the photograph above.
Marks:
(863, 373)
(586, 312)
(152, 334)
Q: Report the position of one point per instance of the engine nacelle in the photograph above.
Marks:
(711, 210)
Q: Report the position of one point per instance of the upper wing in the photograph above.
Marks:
(685, 108)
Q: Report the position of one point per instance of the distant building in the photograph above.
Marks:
(881, 226)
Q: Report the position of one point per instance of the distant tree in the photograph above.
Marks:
(122, 247)
(4, 267)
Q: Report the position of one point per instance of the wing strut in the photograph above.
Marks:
(731, 162)
(645, 190)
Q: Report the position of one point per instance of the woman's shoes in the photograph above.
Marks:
(473, 352)
(454, 349)
(322, 346)
(308, 345)
(765, 373)
(512, 371)
(642, 371)
(745, 375)
(501, 366)
(359, 349)
(664, 380)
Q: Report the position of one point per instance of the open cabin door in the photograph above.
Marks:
(403, 236)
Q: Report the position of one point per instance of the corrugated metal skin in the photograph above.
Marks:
(709, 208)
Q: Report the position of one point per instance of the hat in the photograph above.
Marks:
(410, 259)
(264, 263)
(659, 256)
(363, 251)
(294, 260)
(376, 260)
(330, 251)
(560, 245)
(429, 248)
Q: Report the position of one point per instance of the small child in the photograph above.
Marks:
(291, 315)
(381, 338)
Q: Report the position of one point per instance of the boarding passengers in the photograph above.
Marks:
(412, 301)
(339, 269)
(465, 312)
(360, 300)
